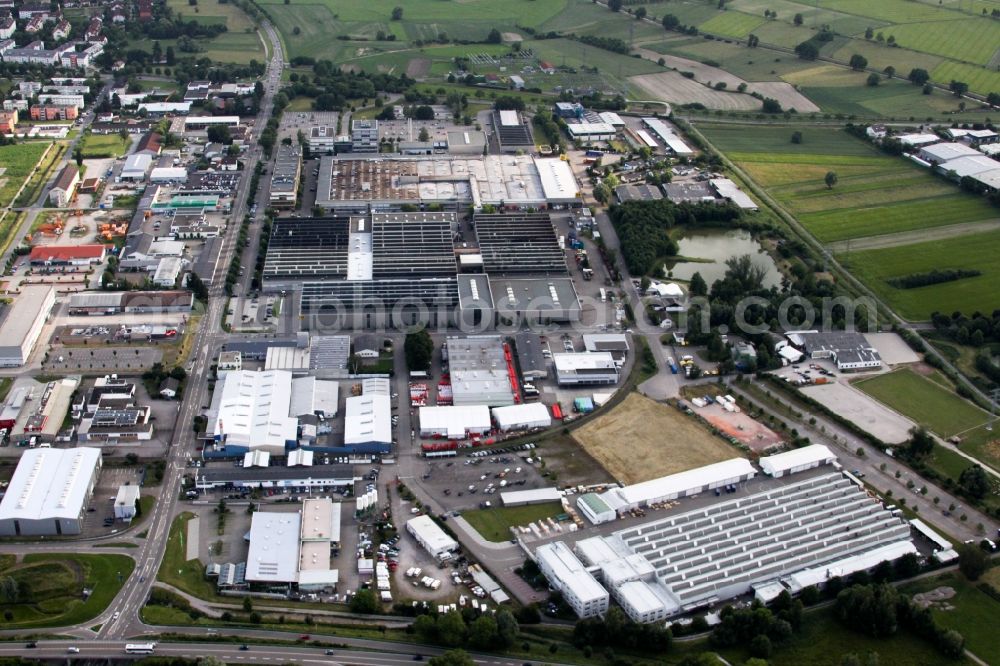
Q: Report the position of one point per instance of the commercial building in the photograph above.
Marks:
(530, 356)
(127, 502)
(570, 577)
(120, 302)
(136, 167)
(167, 271)
(970, 165)
(48, 492)
(252, 412)
(23, 324)
(364, 136)
(519, 244)
(480, 370)
(195, 123)
(432, 538)
(285, 176)
(730, 192)
(584, 131)
(585, 368)
(522, 417)
(67, 255)
(322, 140)
(682, 484)
(511, 181)
(668, 135)
(525, 497)
(796, 460)
(638, 192)
(64, 189)
(368, 423)
(295, 548)
(615, 344)
(293, 477)
(116, 420)
(513, 132)
(940, 154)
(466, 142)
(595, 508)
(164, 175)
(454, 422)
(848, 349)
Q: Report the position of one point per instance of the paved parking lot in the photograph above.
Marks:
(464, 482)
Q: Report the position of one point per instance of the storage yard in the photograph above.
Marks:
(663, 438)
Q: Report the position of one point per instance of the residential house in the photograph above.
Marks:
(65, 187)
(8, 121)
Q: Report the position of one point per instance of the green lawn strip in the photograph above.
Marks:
(187, 576)
(104, 145)
(37, 181)
(17, 161)
(116, 544)
(923, 401)
(494, 523)
(56, 582)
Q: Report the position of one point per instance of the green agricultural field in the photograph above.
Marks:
(924, 401)
(978, 78)
(17, 162)
(104, 145)
(525, 12)
(965, 40)
(50, 587)
(494, 524)
(239, 44)
(972, 252)
(732, 24)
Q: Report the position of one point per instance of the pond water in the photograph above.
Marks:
(714, 247)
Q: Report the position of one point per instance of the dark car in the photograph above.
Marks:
(32, 644)
(244, 647)
(328, 652)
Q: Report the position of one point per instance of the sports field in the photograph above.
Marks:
(665, 440)
(924, 401)
(16, 164)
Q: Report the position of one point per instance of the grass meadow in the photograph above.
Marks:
(17, 162)
(494, 523)
(925, 401)
(973, 252)
(240, 44)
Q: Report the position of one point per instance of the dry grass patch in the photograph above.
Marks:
(640, 439)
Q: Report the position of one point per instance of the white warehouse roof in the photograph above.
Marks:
(253, 410)
(455, 421)
(274, 547)
(536, 496)
(50, 483)
(682, 482)
(943, 152)
(367, 418)
(428, 533)
(845, 567)
(808, 455)
(970, 165)
(912, 140)
(588, 129)
(137, 163)
(527, 415)
(583, 361)
(558, 181)
(569, 571)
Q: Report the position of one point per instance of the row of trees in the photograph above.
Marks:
(480, 632)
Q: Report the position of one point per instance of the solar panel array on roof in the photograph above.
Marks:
(413, 245)
(511, 133)
(307, 248)
(519, 243)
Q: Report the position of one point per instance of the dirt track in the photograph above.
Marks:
(640, 439)
(915, 236)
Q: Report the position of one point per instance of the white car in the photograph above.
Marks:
(116, 615)
(73, 650)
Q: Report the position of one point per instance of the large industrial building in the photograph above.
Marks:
(481, 370)
(294, 548)
(454, 422)
(510, 181)
(585, 368)
(387, 269)
(23, 322)
(848, 349)
(783, 537)
(258, 410)
(285, 177)
(48, 494)
(127, 302)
